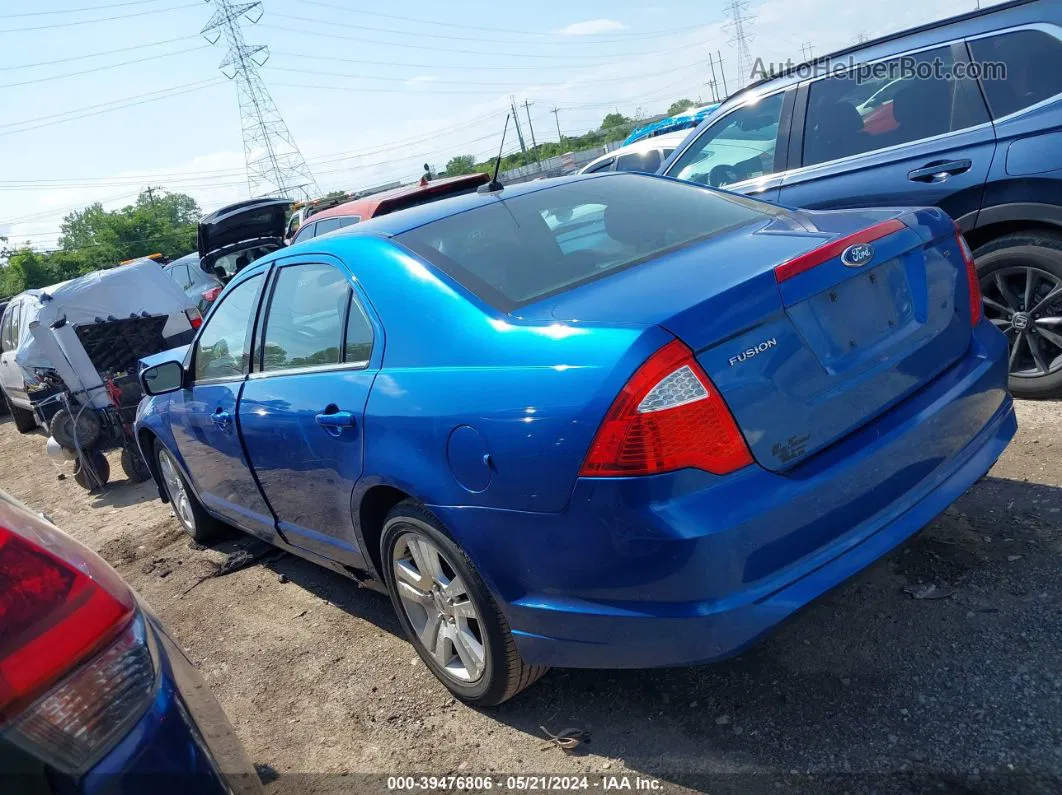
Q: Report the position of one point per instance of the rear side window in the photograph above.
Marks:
(850, 114)
(221, 350)
(327, 225)
(306, 318)
(647, 162)
(1030, 58)
(7, 340)
(306, 231)
(513, 251)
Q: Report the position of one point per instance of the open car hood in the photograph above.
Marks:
(244, 221)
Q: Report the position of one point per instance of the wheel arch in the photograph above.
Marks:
(993, 223)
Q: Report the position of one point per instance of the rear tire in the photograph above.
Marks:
(62, 428)
(4, 409)
(453, 601)
(194, 520)
(100, 466)
(25, 420)
(134, 466)
(1003, 266)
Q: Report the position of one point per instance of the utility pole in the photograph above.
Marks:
(713, 83)
(739, 25)
(150, 191)
(274, 162)
(556, 118)
(807, 49)
(527, 110)
(516, 118)
(722, 74)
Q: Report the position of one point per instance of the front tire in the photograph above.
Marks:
(195, 521)
(1021, 279)
(447, 611)
(25, 420)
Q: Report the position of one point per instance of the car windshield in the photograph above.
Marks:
(518, 250)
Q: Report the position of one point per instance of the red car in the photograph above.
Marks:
(390, 201)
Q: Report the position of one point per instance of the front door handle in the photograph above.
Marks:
(335, 420)
(938, 172)
(222, 419)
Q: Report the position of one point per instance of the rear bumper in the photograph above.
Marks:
(689, 567)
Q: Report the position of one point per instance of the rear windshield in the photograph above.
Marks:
(518, 250)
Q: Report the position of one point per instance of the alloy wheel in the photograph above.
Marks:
(1025, 303)
(439, 607)
(182, 504)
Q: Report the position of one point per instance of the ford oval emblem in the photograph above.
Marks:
(857, 256)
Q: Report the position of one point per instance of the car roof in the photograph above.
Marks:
(820, 65)
(367, 206)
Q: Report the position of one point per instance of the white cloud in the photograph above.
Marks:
(591, 27)
(421, 79)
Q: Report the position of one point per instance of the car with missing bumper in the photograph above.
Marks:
(546, 439)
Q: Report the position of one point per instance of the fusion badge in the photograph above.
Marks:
(748, 353)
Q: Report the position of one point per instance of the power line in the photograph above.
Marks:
(100, 19)
(81, 113)
(81, 72)
(564, 40)
(480, 53)
(96, 54)
(462, 26)
(77, 10)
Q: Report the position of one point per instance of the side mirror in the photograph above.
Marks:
(162, 378)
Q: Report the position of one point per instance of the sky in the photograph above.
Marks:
(102, 98)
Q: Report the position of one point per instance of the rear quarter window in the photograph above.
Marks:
(514, 251)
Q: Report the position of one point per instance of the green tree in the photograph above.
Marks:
(680, 105)
(460, 164)
(614, 120)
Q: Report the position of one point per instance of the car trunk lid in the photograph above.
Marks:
(244, 221)
(803, 356)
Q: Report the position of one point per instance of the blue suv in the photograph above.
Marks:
(964, 114)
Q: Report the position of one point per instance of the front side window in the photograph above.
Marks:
(306, 318)
(738, 147)
(904, 100)
(1030, 58)
(604, 165)
(328, 225)
(517, 250)
(221, 350)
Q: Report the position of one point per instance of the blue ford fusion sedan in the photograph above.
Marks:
(609, 421)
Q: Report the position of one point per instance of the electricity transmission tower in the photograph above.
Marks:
(807, 49)
(739, 26)
(274, 163)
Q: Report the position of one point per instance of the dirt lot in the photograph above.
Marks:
(869, 688)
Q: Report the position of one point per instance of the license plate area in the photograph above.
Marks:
(853, 320)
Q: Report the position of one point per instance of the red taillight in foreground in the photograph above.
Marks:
(668, 416)
(817, 256)
(211, 295)
(75, 661)
(976, 300)
(194, 317)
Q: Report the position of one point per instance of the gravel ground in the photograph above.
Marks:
(868, 689)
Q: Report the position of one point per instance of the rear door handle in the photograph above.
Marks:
(938, 172)
(222, 419)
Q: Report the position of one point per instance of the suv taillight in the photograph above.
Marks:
(76, 662)
(211, 295)
(668, 416)
(976, 299)
(195, 317)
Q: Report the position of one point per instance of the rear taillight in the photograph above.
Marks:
(668, 416)
(76, 665)
(817, 256)
(974, 284)
(194, 317)
(211, 295)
